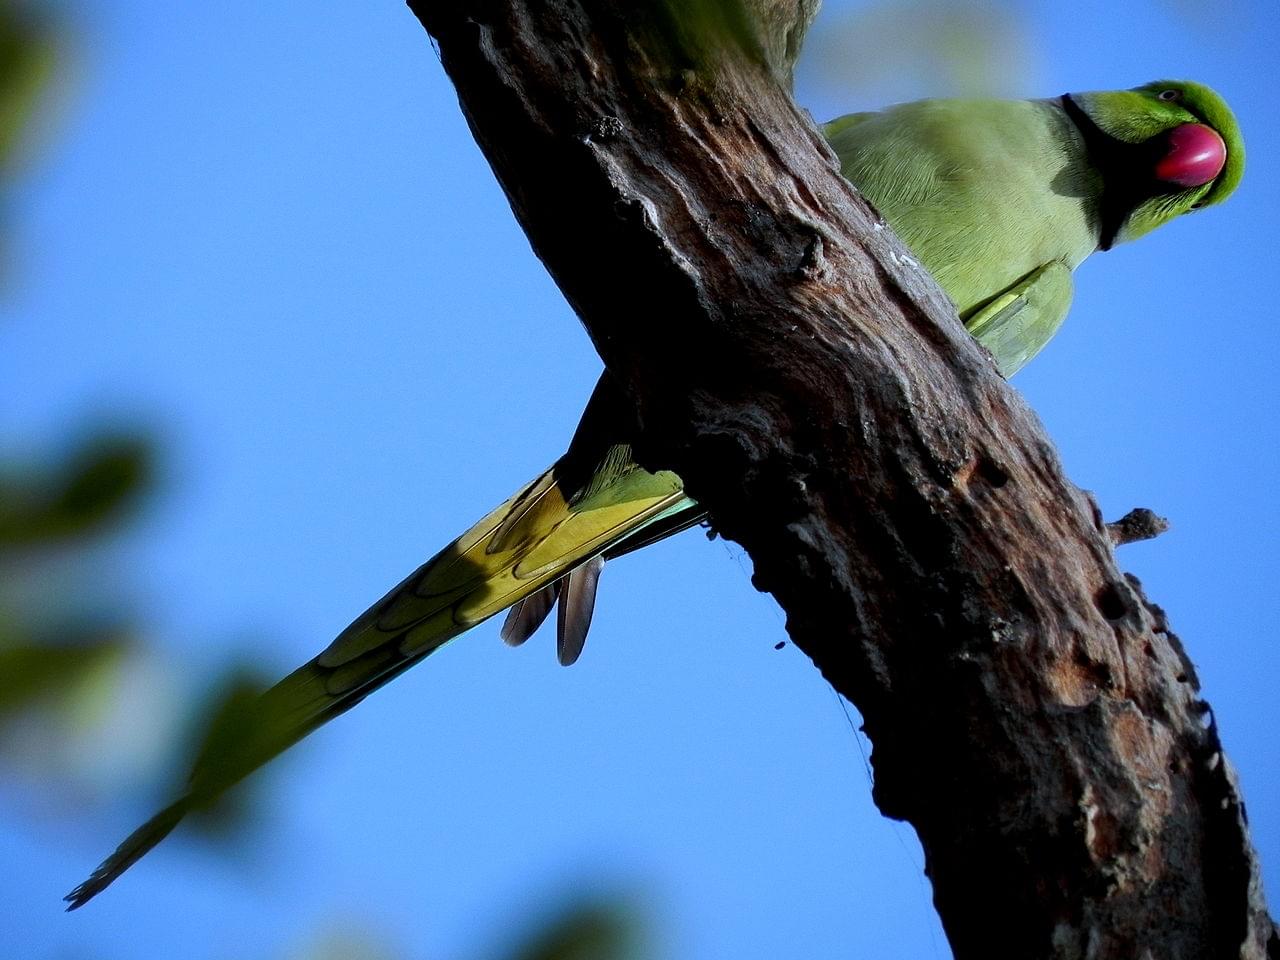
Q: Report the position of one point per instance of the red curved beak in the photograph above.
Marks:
(1194, 155)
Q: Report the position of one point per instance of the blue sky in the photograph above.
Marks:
(264, 231)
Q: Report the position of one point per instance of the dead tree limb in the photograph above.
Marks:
(1032, 715)
(1138, 524)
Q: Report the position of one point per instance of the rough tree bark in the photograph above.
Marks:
(1032, 715)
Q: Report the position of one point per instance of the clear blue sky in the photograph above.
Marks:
(263, 229)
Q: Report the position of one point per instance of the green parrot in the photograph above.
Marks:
(1000, 201)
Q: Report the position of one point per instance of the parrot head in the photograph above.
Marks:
(1163, 149)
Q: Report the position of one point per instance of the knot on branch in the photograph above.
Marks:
(604, 129)
(1138, 524)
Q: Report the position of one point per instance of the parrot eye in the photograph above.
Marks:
(1168, 95)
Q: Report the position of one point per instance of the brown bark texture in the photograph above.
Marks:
(1031, 713)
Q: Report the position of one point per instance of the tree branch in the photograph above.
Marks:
(1032, 715)
(1138, 524)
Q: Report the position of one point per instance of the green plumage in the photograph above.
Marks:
(984, 192)
(1000, 200)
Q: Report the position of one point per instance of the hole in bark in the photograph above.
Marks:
(1111, 603)
(980, 468)
(989, 471)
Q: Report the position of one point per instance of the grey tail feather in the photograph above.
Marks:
(577, 603)
(133, 847)
(526, 616)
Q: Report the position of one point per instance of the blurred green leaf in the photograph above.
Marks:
(898, 50)
(705, 26)
(59, 684)
(594, 930)
(346, 944)
(604, 930)
(221, 723)
(33, 671)
(27, 55)
(81, 700)
(95, 487)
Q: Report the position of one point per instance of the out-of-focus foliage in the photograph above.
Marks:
(592, 929)
(896, 50)
(218, 725)
(66, 665)
(27, 47)
(699, 29)
(93, 488)
(69, 669)
(347, 943)
(601, 930)
(722, 21)
(41, 670)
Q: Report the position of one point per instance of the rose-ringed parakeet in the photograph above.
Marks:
(1000, 200)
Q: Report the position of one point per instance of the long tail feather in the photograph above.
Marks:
(133, 847)
(491, 567)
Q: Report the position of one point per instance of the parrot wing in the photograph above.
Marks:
(1017, 322)
(833, 128)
